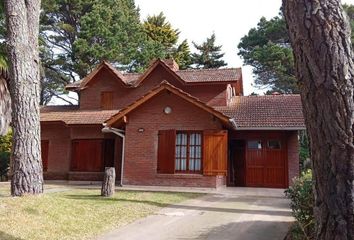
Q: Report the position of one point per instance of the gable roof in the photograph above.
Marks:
(191, 76)
(167, 86)
(71, 115)
(83, 82)
(278, 112)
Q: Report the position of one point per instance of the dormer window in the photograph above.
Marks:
(106, 100)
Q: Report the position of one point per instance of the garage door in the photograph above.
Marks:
(266, 163)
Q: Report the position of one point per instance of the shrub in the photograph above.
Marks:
(302, 200)
(4, 165)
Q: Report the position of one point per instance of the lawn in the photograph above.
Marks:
(76, 213)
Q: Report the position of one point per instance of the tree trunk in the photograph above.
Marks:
(320, 36)
(108, 183)
(5, 103)
(22, 18)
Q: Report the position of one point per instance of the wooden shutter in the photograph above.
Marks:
(87, 155)
(166, 151)
(215, 152)
(107, 100)
(44, 152)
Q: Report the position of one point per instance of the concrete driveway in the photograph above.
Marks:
(232, 213)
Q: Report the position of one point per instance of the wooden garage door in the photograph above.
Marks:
(266, 163)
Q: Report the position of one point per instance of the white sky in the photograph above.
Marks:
(230, 20)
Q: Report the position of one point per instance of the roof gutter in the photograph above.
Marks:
(120, 133)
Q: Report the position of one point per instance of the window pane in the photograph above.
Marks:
(198, 152)
(274, 144)
(192, 139)
(183, 164)
(178, 151)
(184, 152)
(254, 144)
(191, 165)
(177, 164)
(197, 165)
(191, 151)
(198, 139)
(184, 139)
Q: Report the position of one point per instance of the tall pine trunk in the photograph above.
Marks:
(320, 36)
(22, 18)
(5, 103)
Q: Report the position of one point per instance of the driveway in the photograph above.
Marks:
(232, 213)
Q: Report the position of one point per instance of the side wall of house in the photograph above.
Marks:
(140, 167)
(60, 139)
(90, 98)
(58, 136)
(293, 156)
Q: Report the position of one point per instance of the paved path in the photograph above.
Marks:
(234, 213)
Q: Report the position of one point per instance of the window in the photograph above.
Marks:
(274, 144)
(254, 144)
(188, 156)
(107, 100)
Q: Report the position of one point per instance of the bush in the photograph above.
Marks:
(302, 200)
(4, 165)
(5, 149)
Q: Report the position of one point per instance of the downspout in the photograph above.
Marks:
(120, 133)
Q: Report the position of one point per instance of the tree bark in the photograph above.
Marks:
(320, 36)
(22, 19)
(5, 103)
(108, 183)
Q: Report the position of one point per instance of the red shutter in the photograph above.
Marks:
(44, 152)
(215, 152)
(166, 151)
(107, 100)
(87, 155)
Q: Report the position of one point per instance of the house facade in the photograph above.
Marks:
(172, 127)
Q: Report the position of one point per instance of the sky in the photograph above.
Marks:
(230, 20)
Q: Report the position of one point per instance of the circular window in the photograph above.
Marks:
(167, 110)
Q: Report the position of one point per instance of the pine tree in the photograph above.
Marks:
(165, 38)
(209, 55)
(76, 35)
(320, 37)
(22, 42)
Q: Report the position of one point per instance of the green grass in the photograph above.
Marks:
(76, 213)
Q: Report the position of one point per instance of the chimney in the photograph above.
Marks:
(171, 63)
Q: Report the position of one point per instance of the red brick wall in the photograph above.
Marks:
(59, 153)
(141, 147)
(90, 98)
(293, 155)
(58, 136)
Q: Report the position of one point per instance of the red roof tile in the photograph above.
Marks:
(188, 76)
(72, 115)
(266, 112)
(210, 75)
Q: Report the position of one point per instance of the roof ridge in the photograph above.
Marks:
(276, 95)
(207, 69)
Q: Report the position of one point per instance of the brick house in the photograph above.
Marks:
(172, 127)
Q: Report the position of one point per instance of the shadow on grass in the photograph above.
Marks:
(112, 199)
(181, 206)
(5, 236)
